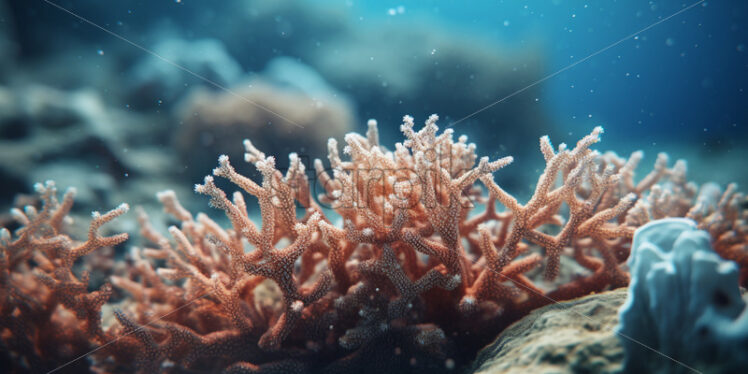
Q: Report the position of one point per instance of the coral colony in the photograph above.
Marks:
(683, 302)
(412, 267)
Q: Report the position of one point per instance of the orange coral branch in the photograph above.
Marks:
(407, 262)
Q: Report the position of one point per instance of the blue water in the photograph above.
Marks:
(686, 76)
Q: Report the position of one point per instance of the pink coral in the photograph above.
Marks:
(409, 277)
(47, 314)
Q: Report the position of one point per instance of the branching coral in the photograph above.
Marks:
(47, 314)
(410, 277)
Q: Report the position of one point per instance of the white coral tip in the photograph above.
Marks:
(265, 165)
(166, 195)
(297, 306)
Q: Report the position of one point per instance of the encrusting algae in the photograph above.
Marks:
(412, 268)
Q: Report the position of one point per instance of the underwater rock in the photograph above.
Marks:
(153, 81)
(275, 118)
(41, 125)
(569, 337)
(289, 72)
(684, 311)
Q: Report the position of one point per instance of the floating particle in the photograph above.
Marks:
(449, 364)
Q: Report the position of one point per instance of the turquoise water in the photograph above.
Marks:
(687, 71)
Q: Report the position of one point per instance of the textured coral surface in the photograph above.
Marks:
(403, 262)
(684, 311)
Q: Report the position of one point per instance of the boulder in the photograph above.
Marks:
(569, 337)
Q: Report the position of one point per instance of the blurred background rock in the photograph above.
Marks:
(119, 124)
(98, 113)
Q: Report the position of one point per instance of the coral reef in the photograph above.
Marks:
(412, 275)
(47, 314)
(684, 310)
(722, 214)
